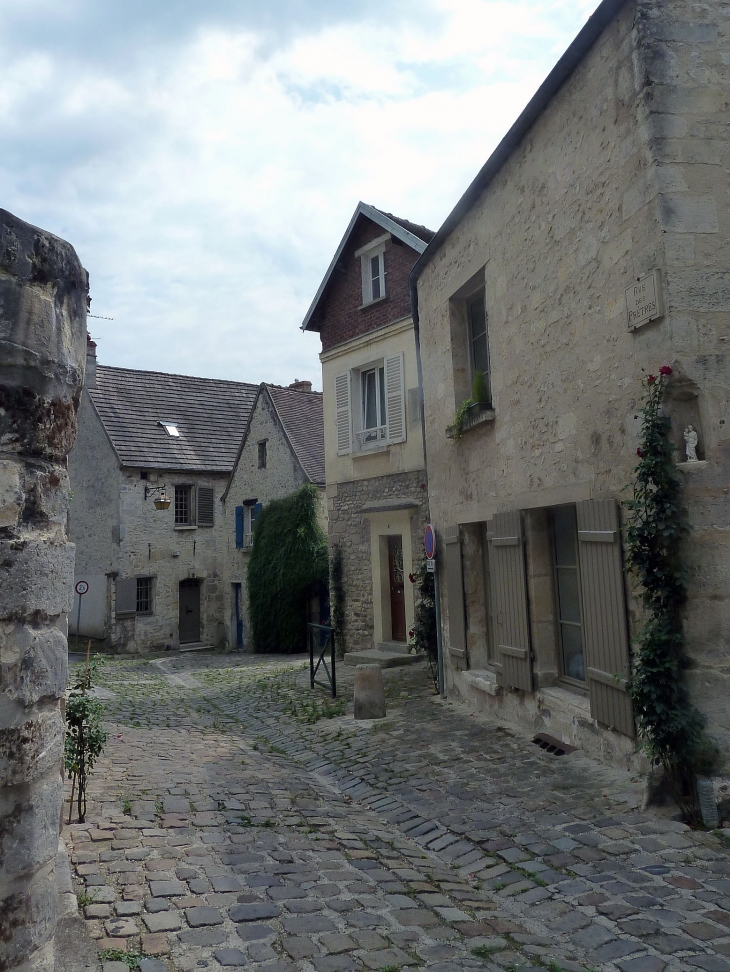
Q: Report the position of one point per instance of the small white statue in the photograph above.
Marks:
(690, 438)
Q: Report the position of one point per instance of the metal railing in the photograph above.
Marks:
(321, 641)
(369, 438)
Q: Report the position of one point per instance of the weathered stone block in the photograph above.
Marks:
(31, 749)
(29, 831)
(369, 692)
(33, 663)
(688, 214)
(36, 578)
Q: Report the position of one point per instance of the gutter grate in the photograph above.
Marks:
(552, 745)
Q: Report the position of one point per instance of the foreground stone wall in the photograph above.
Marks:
(43, 290)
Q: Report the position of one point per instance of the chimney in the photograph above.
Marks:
(90, 374)
(301, 385)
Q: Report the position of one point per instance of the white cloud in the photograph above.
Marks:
(206, 178)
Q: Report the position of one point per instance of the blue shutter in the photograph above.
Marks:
(239, 527)
(254, 514)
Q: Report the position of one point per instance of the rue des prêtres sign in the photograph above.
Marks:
(644, 300)
(429, 545)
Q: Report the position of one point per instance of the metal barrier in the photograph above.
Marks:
(321, 640)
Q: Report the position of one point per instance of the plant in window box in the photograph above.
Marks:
(478, 402)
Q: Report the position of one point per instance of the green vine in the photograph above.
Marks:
(423, 634)
(460, 417)
(288, 561)
(670, 728)
(337, 599)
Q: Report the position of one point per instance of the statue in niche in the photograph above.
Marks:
(690, 438)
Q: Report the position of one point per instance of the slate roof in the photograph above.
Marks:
(303, 420)
(210, 414)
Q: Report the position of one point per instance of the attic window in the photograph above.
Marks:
(170, 428)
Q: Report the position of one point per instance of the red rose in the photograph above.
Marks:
(651, 379)
(410, 633)
(640, 453)
(665, 370)
(411, 578)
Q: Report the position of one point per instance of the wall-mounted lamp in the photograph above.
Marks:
(162, 502)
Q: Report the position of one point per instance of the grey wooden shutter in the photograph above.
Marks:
(395, 398)
(205, 506)
(455, 592)
(126, 592)
(343, 419)
(605, 634)
(509, 584)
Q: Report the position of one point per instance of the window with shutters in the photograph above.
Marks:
(370, 406)
(184, 506)
(206, 506)
(134, 595)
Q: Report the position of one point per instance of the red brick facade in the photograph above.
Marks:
(341, 315)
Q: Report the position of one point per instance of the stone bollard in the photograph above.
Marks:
(43, 293)
(369, 692)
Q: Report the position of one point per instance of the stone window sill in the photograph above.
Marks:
(694, 466)
(483, 680)
(183, 527)
(372, 303)
(478, 415)
(364, 453)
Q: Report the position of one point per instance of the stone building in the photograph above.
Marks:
(281, 450)
(376, 488)
(155, 575)
(594, 243)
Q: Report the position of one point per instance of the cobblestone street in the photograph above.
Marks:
(238, 820)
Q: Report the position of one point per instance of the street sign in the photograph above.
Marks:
(429, 542)
(431, 566)
(81, 588)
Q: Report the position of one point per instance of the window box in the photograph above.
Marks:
(477, 414)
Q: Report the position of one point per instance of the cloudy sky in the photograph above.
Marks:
(205, 158)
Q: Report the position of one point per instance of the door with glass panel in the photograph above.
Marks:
(566, 571)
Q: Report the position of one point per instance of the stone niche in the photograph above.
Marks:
(683, 406)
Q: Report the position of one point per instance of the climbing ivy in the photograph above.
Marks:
(670, 728)
(288, 561)
(423, 634)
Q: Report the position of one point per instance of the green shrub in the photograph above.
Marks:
(288, 561)
(480, 388)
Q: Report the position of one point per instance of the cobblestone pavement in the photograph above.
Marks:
(238, 820)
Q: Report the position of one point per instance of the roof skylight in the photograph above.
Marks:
(170, 428)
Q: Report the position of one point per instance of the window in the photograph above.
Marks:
(171, 429)
(246, 516)
(566, 569)
(206, 506)
(372, 389)
(184, 509)
(262, 454)
(372, 260)
(478, 347)
(144, 595)
(370, 405)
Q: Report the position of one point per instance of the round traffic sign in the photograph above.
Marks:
(81, 588)
(429, 542)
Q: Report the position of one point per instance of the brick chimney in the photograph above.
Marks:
(297, 385)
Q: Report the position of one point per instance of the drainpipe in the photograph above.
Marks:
(413, 288)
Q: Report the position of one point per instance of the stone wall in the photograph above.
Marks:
(43, 291)
(349, 529)
(621, 174)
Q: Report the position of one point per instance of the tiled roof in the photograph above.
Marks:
(422, 232)
(210, 414)
(301, 415)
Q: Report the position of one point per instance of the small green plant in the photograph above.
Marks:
(480, 389)
(84, 899)
(245, 820)
(390, 968)
(119, 955)
(85, 737)
(159, 808)
(485, 951)
(460, 417)
(553, 966)
(127, 807)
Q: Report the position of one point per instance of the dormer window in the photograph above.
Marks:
(170, 428)
(372, 259)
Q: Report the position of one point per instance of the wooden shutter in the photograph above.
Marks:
(239, 528)
(509, 586)
(255, 510)
(605, 634)
(205, 506)
(395, 409)
(455, 592)
(343, 419)
(126, 591)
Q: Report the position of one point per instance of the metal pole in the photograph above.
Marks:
(439, 644)
(311, 656)
(334, 676)
(78, 623)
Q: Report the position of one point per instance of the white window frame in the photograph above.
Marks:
(375, 248)
(390, 405)
(377, 435)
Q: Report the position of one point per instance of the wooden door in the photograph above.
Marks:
(189, 611)
(397, 593)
